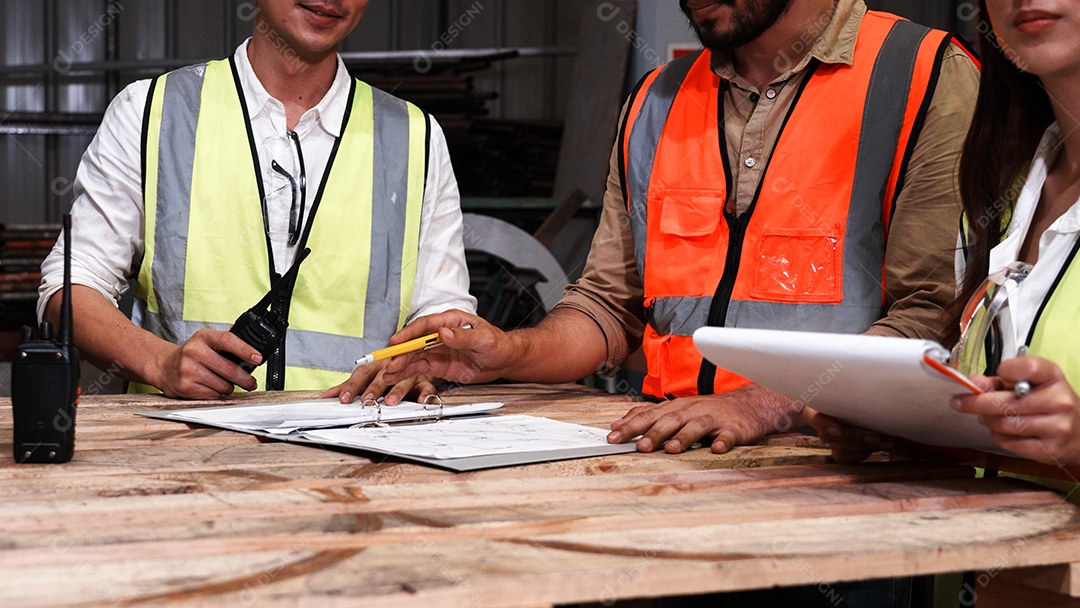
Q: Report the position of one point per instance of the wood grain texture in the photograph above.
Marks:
(157, 512)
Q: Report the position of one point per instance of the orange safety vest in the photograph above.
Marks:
(809, 252)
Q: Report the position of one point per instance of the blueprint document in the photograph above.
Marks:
(489, 435)
(456, 437)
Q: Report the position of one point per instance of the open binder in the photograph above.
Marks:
(895, 386)
(457, 437)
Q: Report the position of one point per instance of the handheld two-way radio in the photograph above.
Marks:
(263, 326)
(45, 383)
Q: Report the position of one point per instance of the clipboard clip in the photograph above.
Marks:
(943, 368)
(432, 404)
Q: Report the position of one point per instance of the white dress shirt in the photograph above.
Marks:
(1055, 244)
(108, 213)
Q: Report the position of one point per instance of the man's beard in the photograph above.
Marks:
(747, 24)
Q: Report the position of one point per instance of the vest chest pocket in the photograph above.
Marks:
(689, 240)
(799, 266)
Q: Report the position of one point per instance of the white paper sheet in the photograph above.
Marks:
(286, 417)
(875, 382)
(448, 439)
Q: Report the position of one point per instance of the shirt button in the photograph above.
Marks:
(770, 93)
(754, 97)
(750, 162)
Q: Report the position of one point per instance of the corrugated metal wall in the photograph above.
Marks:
(36, 170)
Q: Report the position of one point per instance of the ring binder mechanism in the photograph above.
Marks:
(431, 403)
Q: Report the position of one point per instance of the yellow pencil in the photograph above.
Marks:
(420, 343)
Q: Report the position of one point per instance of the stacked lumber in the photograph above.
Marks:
(22, 249)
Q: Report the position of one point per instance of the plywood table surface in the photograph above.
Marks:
(151, 511)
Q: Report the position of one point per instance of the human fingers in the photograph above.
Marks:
(1016, 427)
(993, 403)
(407, 366)
(633, 423)
(848, 447)
(430, 324)
(986, 384)
(450, 341)
(665, 427)
(1032, 448)
(1055, 398)
(854, 445)
(205, 347)
(358, 382)
(191, 380)
(1052, 439)
(195, 366)
(821, 423)
(1036, 370)
(477, 354)
(725, 439)
(229, 342)
(689, 431)
(377, 387)
(415, 385)
(849, 444)
(425, 388)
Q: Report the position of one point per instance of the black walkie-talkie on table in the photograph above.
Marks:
(45, 384)
(262, 326)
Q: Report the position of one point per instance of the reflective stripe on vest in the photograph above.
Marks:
(1057, 324)
(207, 257)
(798, 264)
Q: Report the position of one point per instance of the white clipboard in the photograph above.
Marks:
(889, 385)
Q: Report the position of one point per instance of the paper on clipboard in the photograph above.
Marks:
(876, 382)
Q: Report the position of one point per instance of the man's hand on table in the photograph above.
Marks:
(740, 417)
(849, 444)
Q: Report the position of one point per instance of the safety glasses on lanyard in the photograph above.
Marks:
(986, 321)
(287, 149)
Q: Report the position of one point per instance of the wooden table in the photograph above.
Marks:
(154, 511)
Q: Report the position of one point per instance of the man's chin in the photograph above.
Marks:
(721, 41)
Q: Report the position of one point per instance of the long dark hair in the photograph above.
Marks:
(1011, 114)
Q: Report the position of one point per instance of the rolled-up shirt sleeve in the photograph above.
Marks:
(442, 277)
(610, 291)
(107, 214)
(919, 270)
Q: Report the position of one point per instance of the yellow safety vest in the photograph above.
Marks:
(1057, 323)
(207, 256)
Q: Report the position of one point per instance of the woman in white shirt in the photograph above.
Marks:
(1028, 106)
(1020, 183)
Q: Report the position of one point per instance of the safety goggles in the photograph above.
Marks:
(286, 152)
(986, 321)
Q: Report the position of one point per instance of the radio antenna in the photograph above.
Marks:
(65, 333)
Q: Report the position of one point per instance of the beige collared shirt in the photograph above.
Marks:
(922, 235)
